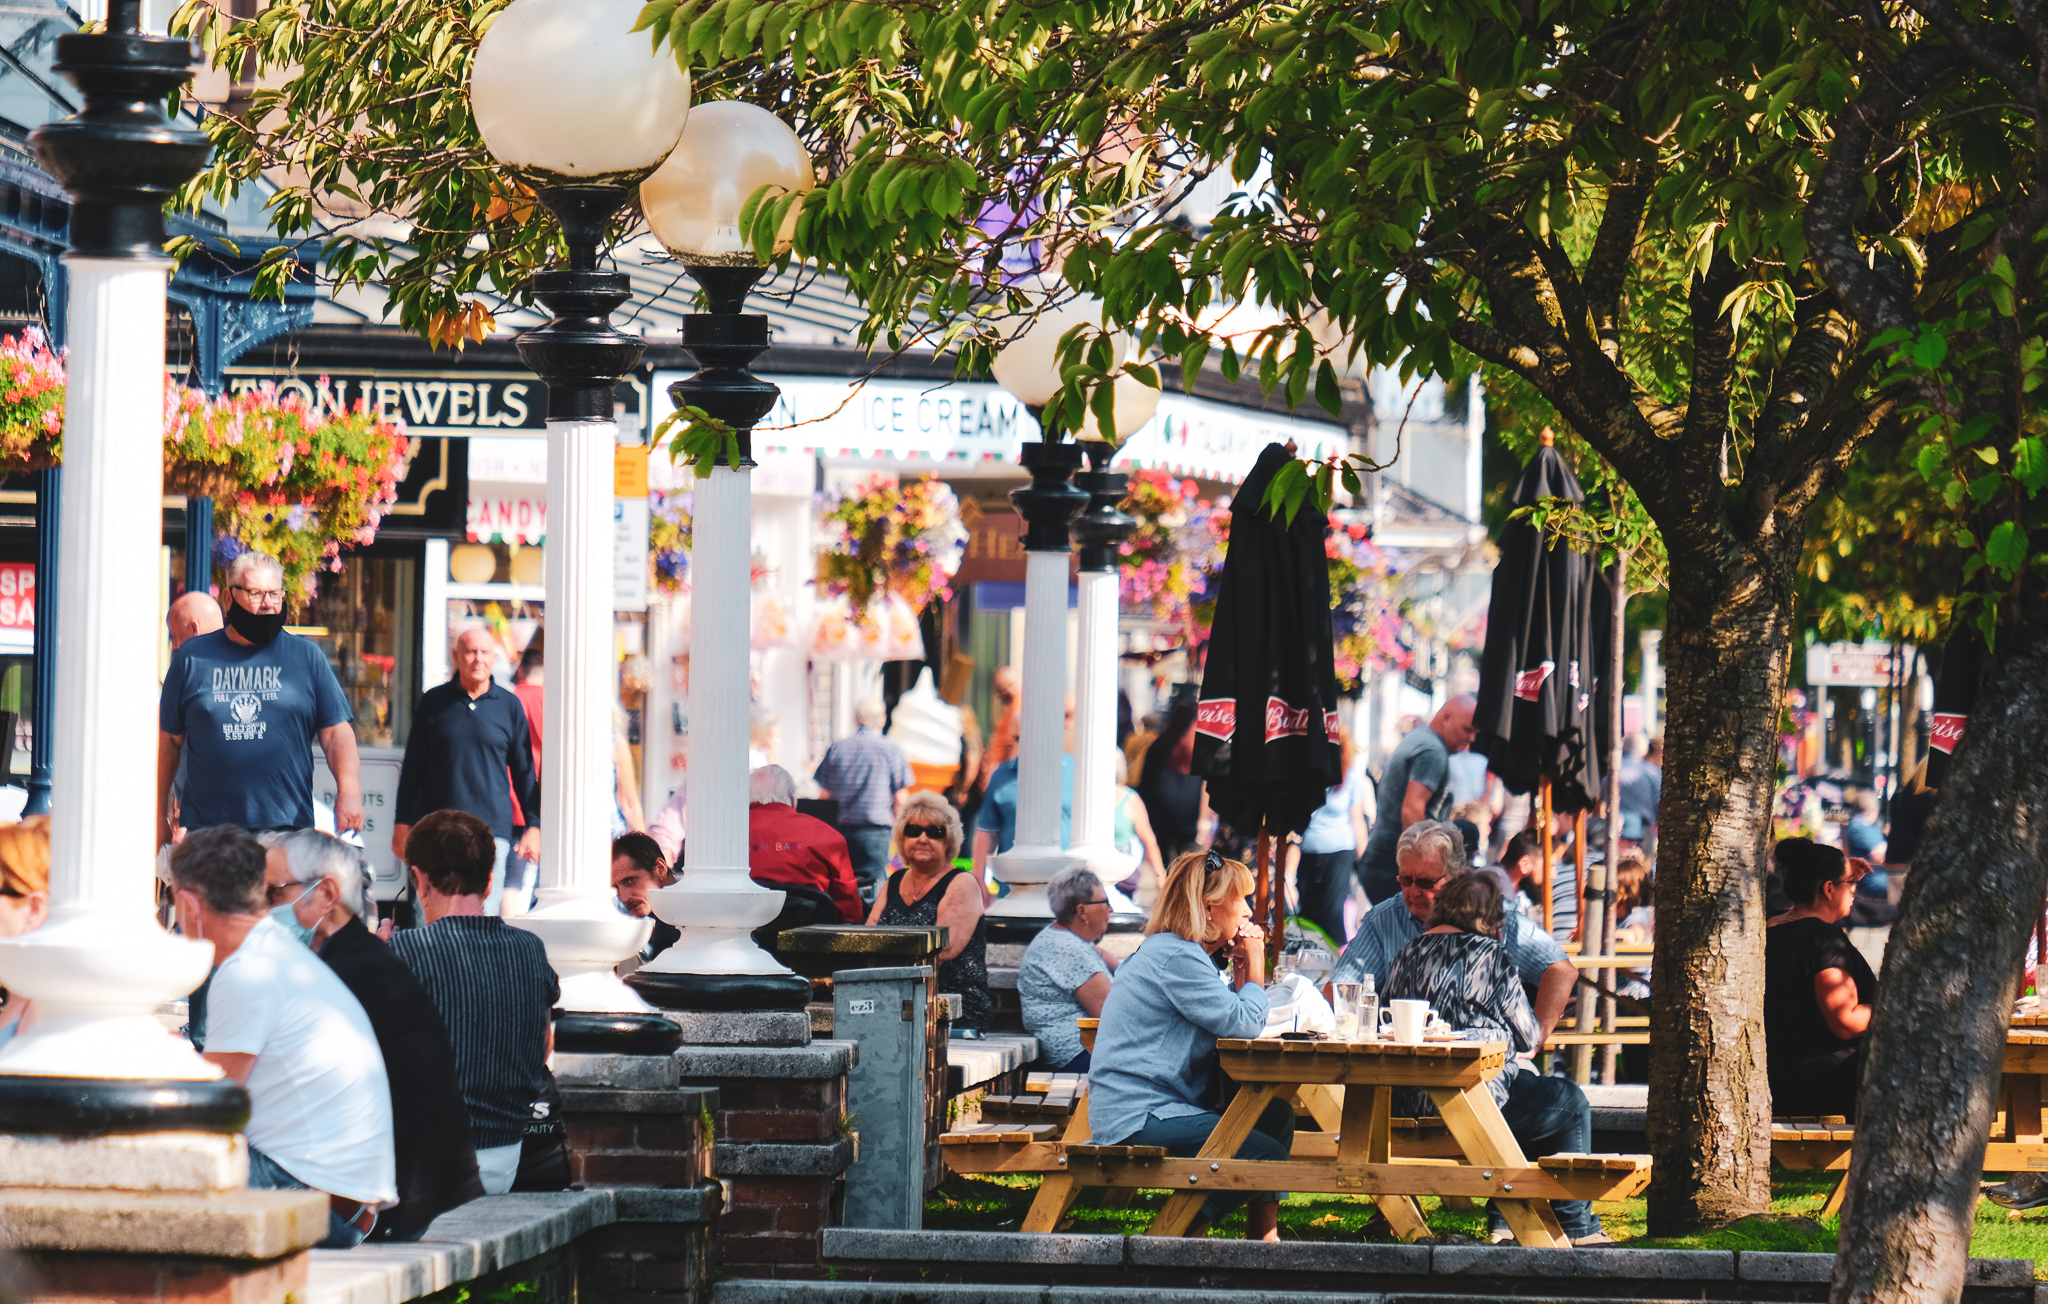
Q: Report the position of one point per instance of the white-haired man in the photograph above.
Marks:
(250, 701)
(867, 774)
(1428, 853)
(467, 736)
(318, 889)
(786, 847)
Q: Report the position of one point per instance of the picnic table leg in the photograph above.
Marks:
(1833, 1204)
(1057, 1193)
(1476, 1123)
(1183, 1207)
(1323, 1103)
(2023, 1107)
(1366, 1136)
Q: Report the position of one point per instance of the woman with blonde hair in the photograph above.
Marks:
(24, 896)
(1154, 1068)
(929, 892)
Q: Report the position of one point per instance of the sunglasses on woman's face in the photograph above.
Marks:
(936, 832)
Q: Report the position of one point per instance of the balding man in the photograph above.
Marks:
(867, 774)
(1415, 786)
(192, 613)
(467, 735)
(1428, 852)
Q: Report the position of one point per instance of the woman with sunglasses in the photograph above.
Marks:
(1153, 1079)
(929, 892)
(24, 897)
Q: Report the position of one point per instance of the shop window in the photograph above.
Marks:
(366, 620)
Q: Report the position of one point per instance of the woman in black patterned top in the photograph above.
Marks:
(1460, 967)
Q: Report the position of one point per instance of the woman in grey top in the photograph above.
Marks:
(1155, 1056)
(1063, 977)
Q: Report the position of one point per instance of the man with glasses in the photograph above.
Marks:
(250, 701)
(1428, 853)
(1064, 975)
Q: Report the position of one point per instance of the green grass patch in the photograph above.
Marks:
(994, 1202)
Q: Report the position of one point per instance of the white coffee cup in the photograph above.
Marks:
(1406, 1020)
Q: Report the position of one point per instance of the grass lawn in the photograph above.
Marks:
(996, 1203)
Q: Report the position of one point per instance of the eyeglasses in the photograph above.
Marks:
(1423, 884)
(269, 598)
(936, 832)
(1103, 902)
(280, 893)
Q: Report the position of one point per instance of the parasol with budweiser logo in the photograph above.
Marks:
(1266, 723)
(1541, 716)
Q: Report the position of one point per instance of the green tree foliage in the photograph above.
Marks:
(1614, 207)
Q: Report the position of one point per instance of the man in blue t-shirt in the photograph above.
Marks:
(1415, 786)
(249, 701)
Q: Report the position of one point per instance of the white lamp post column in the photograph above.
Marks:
(728, 151)
(574, 105)
(98, 969)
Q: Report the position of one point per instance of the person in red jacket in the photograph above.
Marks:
(786, 846)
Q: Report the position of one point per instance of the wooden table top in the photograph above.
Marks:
(1367, 1063)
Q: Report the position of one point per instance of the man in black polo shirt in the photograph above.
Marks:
(490, 981)
(467, 736)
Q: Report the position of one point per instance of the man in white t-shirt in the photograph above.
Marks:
(280, 1023)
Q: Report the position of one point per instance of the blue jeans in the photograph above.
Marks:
(1272, 1137)
(867, 846)
(1550, 1116)
(1323, 881)
(491, 899)
(266, 1174)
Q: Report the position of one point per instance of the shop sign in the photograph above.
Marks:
(1849, 665)
(17, 595)
(629, 552)
(974, 421)
(452, 403)
(379, 778)
(507, 519)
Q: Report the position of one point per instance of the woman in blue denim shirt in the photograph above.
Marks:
(1155, 1053)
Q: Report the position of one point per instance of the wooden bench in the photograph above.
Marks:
(1031, 1108)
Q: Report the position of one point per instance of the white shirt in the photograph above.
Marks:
(320, 1104)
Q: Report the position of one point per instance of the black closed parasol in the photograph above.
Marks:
(1266, 724)
(1541, 718)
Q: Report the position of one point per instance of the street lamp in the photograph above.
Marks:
(96, 1059)
(1028, 367)
(1098, 531)
(728, 152)
(575, 105)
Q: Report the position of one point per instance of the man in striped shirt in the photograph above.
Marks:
(491, 983)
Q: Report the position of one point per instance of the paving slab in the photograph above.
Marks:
(153, 1161)
(1529, 1261)
(733, 1159)
(620, 1072)
(765, 1028)
(820, 1059)
(646, 1204)
(241, 1224)
(612, 1100)
(866, 1244)
(1283, 1256)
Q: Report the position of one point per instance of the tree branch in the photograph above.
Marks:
(1984, 45)
(1614, 250)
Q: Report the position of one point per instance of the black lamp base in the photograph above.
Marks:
(723, 993)
(583, 1032)
(113, 1106)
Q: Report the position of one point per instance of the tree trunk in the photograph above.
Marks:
(1727, 639)
(1936, 1047)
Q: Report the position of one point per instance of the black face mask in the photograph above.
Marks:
(259, 627)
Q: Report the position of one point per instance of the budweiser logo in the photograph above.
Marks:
(1217, 717)
(1283, 721)
(1947, 731)
(1530, 682)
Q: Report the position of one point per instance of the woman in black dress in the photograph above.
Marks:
(1817, 987)
(928, 891)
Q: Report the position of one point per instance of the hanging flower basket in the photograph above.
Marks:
(286, 478)
(1365, 616)
(1172, 565)
(886, 538)
(668, 542)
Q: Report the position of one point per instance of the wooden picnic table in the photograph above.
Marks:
(2017, 1140)
(1478, 1158)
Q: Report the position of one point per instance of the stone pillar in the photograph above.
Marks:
(138, 1219)
(1047, 505)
